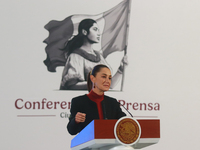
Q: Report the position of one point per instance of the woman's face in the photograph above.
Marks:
(94, 34)
(102, 80)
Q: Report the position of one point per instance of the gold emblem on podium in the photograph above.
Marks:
(127, 131)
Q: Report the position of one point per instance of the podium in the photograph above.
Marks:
(99, 135)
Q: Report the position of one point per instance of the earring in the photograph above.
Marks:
(93, 85)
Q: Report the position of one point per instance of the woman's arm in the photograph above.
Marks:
(73, 127)
(115, 79)
(118, 75)
(73, 74)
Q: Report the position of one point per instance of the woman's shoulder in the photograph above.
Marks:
(75, 56)
(88, 56)
(111, 101)
(75, 59)
(110, 98)
(80, 98)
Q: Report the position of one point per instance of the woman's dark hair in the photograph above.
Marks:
(77, 41)
(94, 72)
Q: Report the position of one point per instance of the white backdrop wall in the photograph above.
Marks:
(163, 54)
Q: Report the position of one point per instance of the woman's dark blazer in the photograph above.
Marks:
(110, 106)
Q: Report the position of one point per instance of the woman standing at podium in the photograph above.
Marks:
(94, 105)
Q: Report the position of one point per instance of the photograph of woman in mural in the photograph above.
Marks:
(81, 58)
(94, 105)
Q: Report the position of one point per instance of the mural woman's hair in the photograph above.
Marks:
(77, 41)
(94, 72)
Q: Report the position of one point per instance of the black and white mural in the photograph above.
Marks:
(71, 43)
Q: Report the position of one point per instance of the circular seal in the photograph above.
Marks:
(127, 131)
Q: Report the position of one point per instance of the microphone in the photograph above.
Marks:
(125, 109)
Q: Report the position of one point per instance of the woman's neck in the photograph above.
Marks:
(87, 46)
(97, 91)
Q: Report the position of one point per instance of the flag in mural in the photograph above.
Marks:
(113, 25)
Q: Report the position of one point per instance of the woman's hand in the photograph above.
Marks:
(123, 64)
(80, 117)
(124, 61)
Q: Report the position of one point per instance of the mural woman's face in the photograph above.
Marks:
(94, 34)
